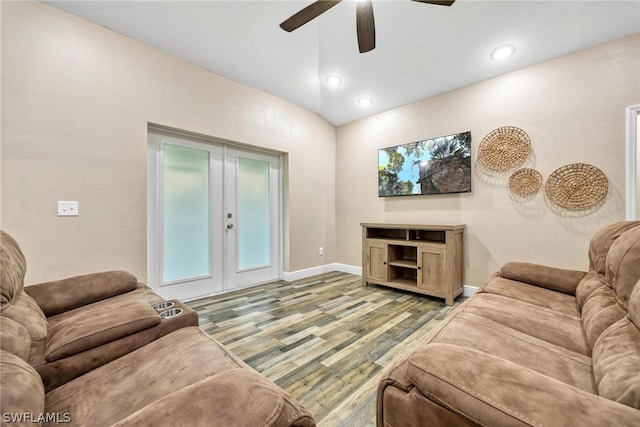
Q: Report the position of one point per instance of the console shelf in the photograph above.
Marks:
(420, 258)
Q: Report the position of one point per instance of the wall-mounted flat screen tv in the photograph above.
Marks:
(432, 166)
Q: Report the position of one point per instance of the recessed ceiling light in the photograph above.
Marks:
(365, 101)
(503, 52)
(334, 80)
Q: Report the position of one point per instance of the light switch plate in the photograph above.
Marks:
(67, 208)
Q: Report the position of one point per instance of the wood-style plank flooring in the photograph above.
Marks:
(325, 339)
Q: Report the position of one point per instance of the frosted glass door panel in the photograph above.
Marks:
(213, 215)
(252, 222)
(254, 239)
(186, 213)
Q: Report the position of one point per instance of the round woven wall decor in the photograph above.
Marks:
(525, 182)
(577, 186)
(504, 148)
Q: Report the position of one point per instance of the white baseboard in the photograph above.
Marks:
(468, 290)
(290, 276)
(345, 268)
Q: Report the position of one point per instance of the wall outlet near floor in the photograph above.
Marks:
(67, 208)
(321, 251)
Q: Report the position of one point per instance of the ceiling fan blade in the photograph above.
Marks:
(365, 26)
(438, 2)
(305, 15)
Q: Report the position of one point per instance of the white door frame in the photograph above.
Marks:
(154, 206)
(633, 163)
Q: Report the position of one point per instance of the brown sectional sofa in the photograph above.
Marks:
(92, 350)
(536, 346)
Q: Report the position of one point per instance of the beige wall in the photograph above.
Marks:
(76, 102)
(573, 109)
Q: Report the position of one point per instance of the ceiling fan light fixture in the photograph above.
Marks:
(503, 52)
(365, 22)
(365, 101)
(333, 80)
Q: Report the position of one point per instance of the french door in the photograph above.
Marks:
(213, 217)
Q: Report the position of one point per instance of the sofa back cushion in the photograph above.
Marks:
(13, 267)
(601, 243)
(599, 247)
(616, 363)
(610, 261)
(616, 353)
(15, 304)
(22, 391)
(14, 338)
(599, 312)
(25, 311)
(623, 265)
(587, 286)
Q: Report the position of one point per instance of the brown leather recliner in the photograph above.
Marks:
(79, 323)
(109, 359)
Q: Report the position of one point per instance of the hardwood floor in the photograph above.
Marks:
(325, 339)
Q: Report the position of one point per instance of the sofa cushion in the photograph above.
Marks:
(600, 311)
(12, 269)
(24, 310)
(623, 265)
(560, 329)
(62, 295)
(601, 243)
(476, 332)
(535, 295)
(63, 370)
(22, 390)
(491, 391)
(141, 293)
(14, 338)
(140, 378)
(237, 397)
(616, 357)
(99, 325)
(587, 286)
(616, 363)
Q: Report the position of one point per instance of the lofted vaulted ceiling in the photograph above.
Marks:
(421, 50)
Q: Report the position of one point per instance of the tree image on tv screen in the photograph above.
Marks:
(431, 166)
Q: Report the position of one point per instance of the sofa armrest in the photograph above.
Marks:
(63, 295)
(493, 391)
(98, 325)
(236, 397)
(556, 279)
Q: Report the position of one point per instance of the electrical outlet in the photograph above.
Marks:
(321, 251)
(67, 208)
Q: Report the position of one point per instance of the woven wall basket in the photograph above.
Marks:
(525, 182)
(577, 186)
(504, 148)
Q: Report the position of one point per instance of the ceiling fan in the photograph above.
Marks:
(365, 26)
